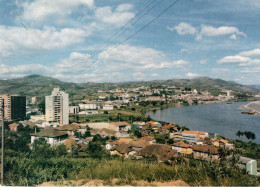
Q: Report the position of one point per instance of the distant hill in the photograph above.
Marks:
(255, 87)
(37, 85)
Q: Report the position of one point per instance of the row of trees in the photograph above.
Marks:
(249, 135)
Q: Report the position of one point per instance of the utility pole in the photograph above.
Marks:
(2, 154)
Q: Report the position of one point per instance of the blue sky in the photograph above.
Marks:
(67, 39)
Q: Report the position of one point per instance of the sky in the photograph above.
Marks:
(130, 40)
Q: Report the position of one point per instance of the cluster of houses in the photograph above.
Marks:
(124, 97)
(186, 143)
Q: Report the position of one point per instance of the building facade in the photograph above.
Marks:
(57, 107)
(74, 109)
(14, 107)
(1, 108)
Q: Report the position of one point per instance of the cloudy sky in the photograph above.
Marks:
(91, 40)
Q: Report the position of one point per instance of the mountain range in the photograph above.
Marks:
(37, 85)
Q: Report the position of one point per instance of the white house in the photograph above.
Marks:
(52, 136)
(108, 107)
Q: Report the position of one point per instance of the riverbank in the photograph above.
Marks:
(253, 106)
(223, 119)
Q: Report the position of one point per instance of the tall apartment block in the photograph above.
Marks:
(1, 108)
(14, 107)
(57, 107)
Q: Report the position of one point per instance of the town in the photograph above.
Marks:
(112, 117)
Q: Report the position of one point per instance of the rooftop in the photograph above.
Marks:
(121, 123)
(50, 132)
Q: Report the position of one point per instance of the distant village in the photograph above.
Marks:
(136, 139)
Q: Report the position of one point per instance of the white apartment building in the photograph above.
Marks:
(74, 109)
(91, 106)
(57, 107)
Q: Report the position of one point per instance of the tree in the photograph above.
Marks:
(138, 134)
(113, 138)
(239, 133)
(41, 106)
(95, 150)
(87, 134)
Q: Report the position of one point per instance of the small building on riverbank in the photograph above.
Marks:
(249, 164)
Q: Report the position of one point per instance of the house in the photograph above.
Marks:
(13, 127)
(212, 135)
(166, 128)
(121, 150)
(108, 107)
(190, 136)
(146, 129)
(222, 143)
(162, 152)
(70, 129)
(51, 135)
(136, 125)
(27, 123)
(249, 164)
(138, 145)
(155, 123)
(149, 139)
(103, 132)
(110, 144)
(124, 140)
(121, 126)
(182, 148)
(36, 118)
(70, 143)
(205, 152)
(89, 112)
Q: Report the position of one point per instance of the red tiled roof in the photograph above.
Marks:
(205, 149)
(121, 123)
(181, 144)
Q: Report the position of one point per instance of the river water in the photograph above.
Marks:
(221, 118)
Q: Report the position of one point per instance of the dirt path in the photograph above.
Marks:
(114, 182)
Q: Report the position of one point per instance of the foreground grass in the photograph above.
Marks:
(26, 171)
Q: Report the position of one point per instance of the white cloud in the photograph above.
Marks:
(14, 39)
(124, 7)
(203, 61)
(43, 10)
(233, 37)
(118, 18)
(136, 57)
(179, 63)
(254, 52)
(192, 75)
(116, 64)
(183, 28)
(250, 70)
(234, 60)
(184, 50)
(21, 70)
(242, 59)
(75, 63)
(206, 30)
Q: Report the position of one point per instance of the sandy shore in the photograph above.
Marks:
(253, 106)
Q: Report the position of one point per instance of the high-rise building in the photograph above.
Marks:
(14, 107)
(1, 109)
(57, 107)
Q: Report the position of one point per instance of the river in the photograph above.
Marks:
(221, 118)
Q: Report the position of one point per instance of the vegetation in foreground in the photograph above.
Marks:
(42, 163)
